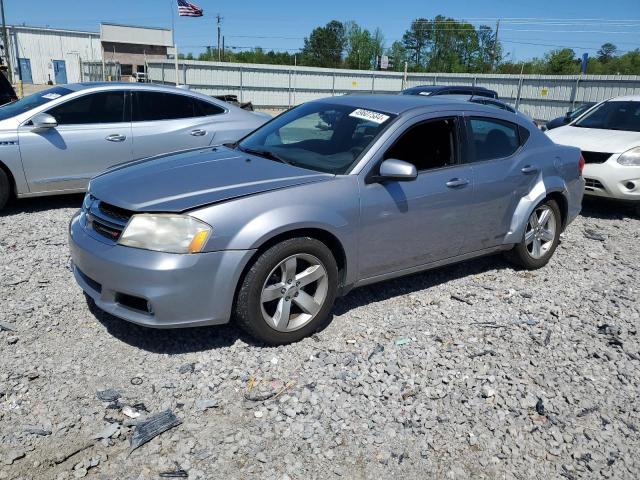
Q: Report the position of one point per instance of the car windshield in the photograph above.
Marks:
(32, 101)
(318, 136)
(615, 115)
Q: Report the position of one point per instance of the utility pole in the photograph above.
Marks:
(495, 47)
(5, 40)
(223, 48)
(219, 18)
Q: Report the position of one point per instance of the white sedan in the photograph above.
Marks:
(609, 137)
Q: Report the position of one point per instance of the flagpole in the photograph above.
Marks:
(173, 24)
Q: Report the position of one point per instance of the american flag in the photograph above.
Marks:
(186, 9)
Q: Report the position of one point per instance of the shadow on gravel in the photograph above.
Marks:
(602, 208)
(41, 204)
(417, 282)
(187, 340)
(172, 341)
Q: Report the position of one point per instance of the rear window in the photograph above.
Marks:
(493, 138)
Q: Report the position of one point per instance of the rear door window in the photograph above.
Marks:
(206, 109)
(102, 107)
(155, 106)
(493, 138)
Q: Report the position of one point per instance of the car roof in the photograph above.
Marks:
(433, 88)
(625, 98)
(78, 87)
(130, 85)
(398, 104)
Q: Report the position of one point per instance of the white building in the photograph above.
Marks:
(42, 55)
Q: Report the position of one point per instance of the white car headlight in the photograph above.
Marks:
(630, 158)
(165, 233)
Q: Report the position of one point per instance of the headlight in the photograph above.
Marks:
(165, 233)
(630, 158)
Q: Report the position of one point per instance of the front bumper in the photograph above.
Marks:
(155, 289)
(612, 180)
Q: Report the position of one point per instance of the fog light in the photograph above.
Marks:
(630, 185)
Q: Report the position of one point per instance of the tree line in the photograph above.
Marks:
(440, 44)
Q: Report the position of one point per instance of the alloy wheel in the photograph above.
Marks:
(294, 292)
(541, 231)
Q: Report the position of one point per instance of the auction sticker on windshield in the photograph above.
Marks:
(51, 96)
(369, 115)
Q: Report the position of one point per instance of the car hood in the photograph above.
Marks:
(595, 139)
(187, 180)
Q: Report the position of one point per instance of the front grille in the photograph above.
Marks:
(115, 212)
(595, 157)
(108, 220)
(593, 184)
(107, 231)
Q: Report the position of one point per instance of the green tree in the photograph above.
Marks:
(561, 62)
(360, 48)
(416, 41)
(324, 46)
(397, 56)
(607, 52)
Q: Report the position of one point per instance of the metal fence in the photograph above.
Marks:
(280, 87)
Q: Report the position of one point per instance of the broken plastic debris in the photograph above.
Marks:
(108, 431)
(130, 412)
(151, 428)
(403, 341)
(108, 395)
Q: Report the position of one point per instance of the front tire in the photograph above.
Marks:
(541, 237)
(5, 189)
(288, 292)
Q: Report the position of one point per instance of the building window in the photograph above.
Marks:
(126, 69)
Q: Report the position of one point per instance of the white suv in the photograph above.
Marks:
(609, 137)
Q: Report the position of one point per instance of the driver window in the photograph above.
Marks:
(428, 145)
(103, 107)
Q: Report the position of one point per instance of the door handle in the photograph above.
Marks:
(116, 137)
(198, 133)
(529, 169)
(457, 182)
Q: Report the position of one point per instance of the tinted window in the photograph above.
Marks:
(427, 145)
(318, 136)
(493, 138)
(613, 116)
(104, 107)
(205, 109)
(152, 106)
(32, 101)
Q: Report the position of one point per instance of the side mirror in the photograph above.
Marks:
(393, 169)
(44, 121)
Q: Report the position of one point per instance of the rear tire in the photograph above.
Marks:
(5, 189)
(288, 292)
(540, 238)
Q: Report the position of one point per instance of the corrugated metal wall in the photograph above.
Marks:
(41, 46)
(274, 86)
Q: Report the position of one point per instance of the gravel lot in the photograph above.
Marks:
(471, 371)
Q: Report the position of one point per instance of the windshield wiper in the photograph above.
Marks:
(266, 154)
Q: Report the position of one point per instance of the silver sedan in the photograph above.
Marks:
(55, 140)
(331, 195)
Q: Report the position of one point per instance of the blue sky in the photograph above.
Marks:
(529, 28)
